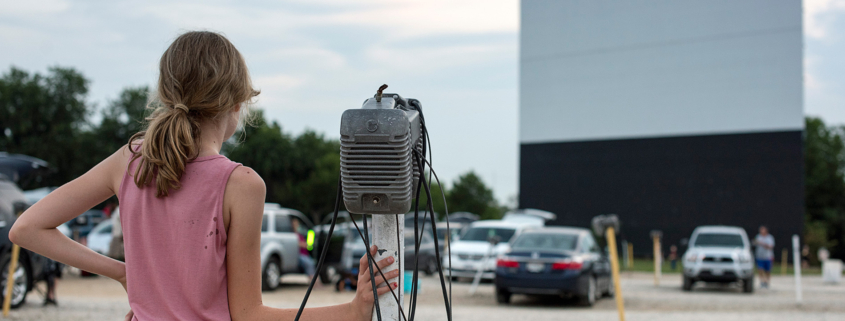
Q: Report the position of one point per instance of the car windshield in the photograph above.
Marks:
(441, 233)
(546, 241)
(718, 240)
(485, 233)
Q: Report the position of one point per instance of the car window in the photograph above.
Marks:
(484, 233)
(718, 240)
(282, 223)
(546, 241)
(264, 223)
(409, 238)
(106, 230)
(303, 229)
(585, 245)
(594, 247)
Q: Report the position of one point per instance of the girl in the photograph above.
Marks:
(191, 217)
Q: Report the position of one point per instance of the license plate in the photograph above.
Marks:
(535, 267)
(717, 272)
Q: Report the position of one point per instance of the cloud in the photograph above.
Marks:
(395, 18)
(15, 8)
(811, 82)
(817, 16)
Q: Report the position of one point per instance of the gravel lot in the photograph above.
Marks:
(100, 299)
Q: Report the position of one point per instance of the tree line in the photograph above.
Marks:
(46, 116)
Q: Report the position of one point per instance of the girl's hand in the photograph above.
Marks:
(129, 316)
(362, 304)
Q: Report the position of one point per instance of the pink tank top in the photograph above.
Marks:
(176, 246)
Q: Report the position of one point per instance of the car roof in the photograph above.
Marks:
(557, 229)
(719, 229)
(498, 223)
(279, 209)
(451, 225)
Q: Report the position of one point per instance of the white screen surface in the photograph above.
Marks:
(629, 69)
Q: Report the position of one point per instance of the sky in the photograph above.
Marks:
(313, 59)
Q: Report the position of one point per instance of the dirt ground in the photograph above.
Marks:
(100, 299)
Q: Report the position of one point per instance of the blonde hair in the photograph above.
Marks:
(202, 75)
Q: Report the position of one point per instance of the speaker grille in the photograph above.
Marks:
(376, 163)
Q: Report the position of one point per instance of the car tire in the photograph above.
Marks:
(271, 275)
(588, 295)
(503, 296)
(611, 288)
(748, 285)
(327, 274)
(687, 286)
(20, 287)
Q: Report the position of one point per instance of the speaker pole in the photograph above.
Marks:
(390, 239)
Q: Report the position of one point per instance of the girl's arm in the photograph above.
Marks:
(36, 228)
(244, 202)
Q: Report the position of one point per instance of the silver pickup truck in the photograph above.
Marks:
(280, 243)
(719, 254)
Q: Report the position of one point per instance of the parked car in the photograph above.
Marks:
(83, 224)
(458, 222)
(464, 218)
(473, 245)
(280, 243)
(30, 265)
(346, 246)
(454, 228)
(562, 261)
(100, 237)
(529, 215)
(718, 254)
(427, 262)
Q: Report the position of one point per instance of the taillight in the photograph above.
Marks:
(506, 263)
(567, 265)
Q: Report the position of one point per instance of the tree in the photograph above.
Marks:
(469, 194)
(41, 116)
(824, 177)
(299, 172)
(436, 199)
(122, 118)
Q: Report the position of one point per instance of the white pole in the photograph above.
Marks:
(796, 262)
(385, 237)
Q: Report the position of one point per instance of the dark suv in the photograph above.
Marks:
(30, 265)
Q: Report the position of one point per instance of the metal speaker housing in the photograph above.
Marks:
(377, 167)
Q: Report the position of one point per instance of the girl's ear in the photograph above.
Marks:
(238, 107)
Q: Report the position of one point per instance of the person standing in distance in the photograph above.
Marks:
(765, 254)
(191, 217)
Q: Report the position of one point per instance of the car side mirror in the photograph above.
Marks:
(684, 242)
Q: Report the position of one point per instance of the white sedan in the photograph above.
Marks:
(100, 237)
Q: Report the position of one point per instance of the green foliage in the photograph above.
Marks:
(824, 177)
(300, 172)
(42, 116)
(436, 199)
(470, 194)
(46, 116)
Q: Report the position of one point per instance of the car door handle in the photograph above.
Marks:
(2, 224)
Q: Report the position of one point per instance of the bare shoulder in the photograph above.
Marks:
(245, 180)
(116, 165)
(244, 196)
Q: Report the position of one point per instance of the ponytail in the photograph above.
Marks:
(169, 142)
(201, 76)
